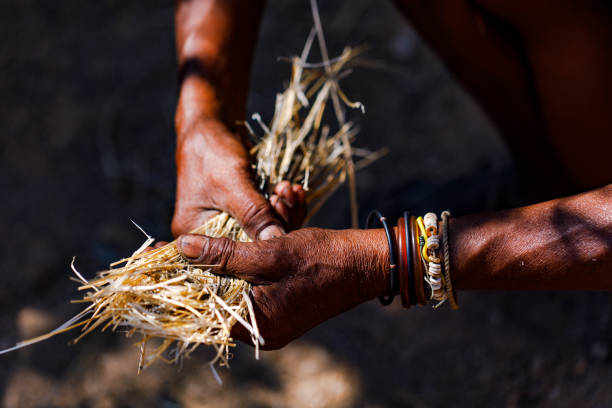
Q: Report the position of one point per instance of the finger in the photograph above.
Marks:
(294, 199)
(160, 244)
(284, 190)
(274, 332)
(299, 215)
(280, 187)
(299, 193)
(189, 218)
(266, 327)
(243, 260)
(281, 209)
(300, 209)
(239, 332)
(253, 212)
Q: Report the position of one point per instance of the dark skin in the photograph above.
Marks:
(214, 42)
(541, 71)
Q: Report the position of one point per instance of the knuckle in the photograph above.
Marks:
(227, 249)
(255, 216)
(220, 251)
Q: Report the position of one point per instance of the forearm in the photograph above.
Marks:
(215, 40)
(563, 244)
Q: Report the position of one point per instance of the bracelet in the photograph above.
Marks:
(406, 267)
(435, 257)
(374, 214)
(417, 262)
(407, 239)
(404, 283)
(428, 226)
(450, 293)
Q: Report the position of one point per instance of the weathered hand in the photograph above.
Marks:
(300, 279)
(213, 174)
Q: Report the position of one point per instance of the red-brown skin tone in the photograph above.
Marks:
(312, 274)
(541, 71)
(215, 42)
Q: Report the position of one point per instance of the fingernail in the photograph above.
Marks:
(271, 231)
(190, 246)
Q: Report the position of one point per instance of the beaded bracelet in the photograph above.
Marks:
(436, 258)
(393, 279)
(428, 226)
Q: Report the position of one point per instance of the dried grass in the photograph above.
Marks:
(158, 294)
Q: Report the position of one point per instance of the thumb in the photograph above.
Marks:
(239, 259)
(254, 213)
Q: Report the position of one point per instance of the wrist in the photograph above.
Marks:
(209, 136)
(369, 253)
(197, 101)
(200, 100)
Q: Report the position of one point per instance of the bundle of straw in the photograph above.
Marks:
(159, 294)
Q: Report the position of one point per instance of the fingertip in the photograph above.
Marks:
(284, 210)
(300, 194)
(273, 199)
(191, 246)
(290, 198)
(281, 187)
(271, 231)
(241, 333)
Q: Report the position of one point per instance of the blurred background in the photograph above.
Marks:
(87, 99)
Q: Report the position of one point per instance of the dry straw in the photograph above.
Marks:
(158, 294)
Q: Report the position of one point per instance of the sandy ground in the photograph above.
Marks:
(88, 92)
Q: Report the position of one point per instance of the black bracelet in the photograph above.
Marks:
(409, 240)
(393, 278)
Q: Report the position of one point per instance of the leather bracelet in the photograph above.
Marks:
(411, 288)
(393, 279)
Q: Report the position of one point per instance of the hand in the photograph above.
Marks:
(213, 173)
(300, 279)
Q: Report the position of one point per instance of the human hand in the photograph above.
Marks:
(300, 279)
(213, 174)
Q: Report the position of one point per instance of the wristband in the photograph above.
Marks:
(393, 279)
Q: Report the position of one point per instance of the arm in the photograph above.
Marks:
(563, 244)
(311, 275)
(215, 40)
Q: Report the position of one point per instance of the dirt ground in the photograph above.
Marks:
(88, 91)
